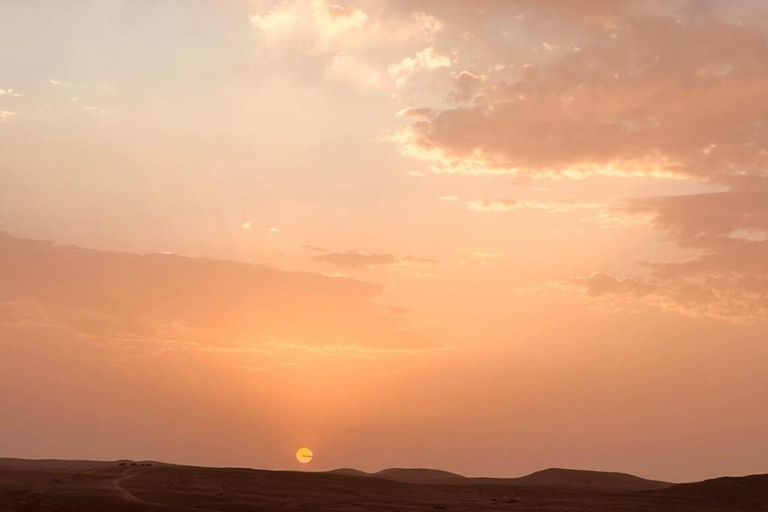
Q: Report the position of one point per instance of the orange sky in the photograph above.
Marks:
(490, 236)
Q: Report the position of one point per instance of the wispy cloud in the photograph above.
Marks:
(10, 92)
(508, 205)
(360, 259)
(207, 305)
(729, 278)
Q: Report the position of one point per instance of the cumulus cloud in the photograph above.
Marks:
(427, 59)
(318, 24)
(347, 42)
(429, 25)
(6, 115)
(321, 26)
(169, 299)
(625, 89)
(644, 100)
(467, 86)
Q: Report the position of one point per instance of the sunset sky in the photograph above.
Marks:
(485, 236)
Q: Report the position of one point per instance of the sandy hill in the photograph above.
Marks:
(741, 491)
(420, 476)
(555, 477)
(118, 486)
(405, 475)
(348, 472)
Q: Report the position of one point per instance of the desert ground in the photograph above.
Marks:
(85, 486)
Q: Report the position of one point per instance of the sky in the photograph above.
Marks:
(489, 237)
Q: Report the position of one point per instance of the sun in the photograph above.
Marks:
(304, 455)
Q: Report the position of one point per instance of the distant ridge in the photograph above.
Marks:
(420, 476)
(406, 475)
(553, 477)
(604, 480)
(348, 472)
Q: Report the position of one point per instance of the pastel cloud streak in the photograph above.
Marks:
(166, 298)
(359, 259)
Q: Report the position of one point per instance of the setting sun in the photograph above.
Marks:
(304, 455)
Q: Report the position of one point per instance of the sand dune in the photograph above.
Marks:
(407, 475)
(740, 493)
(554, 477)
(87, 486)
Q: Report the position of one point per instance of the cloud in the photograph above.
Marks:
(347, 44)
(467, 85)
(699, 220)
(166, 299)
(427, 59)
(727, 280)
(727, 300)
(508, 205)
(626, 89)
(359, 259)
(355, 73)
(600, 284)
(6, 115)
(318, 24)
(644, 99)
(356, 259)
(429, 24)
(314, 248)
(10, 92)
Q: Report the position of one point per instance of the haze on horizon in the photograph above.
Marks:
(486, 236)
